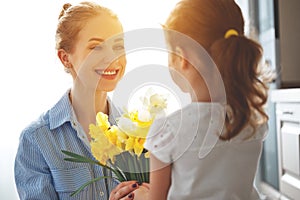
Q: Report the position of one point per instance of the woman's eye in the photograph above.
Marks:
(118, 48)
(98, 47)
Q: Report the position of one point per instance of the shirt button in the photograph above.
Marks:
(101, 193)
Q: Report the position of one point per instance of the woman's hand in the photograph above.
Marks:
(124, 191)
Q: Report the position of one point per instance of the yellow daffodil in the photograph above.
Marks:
(139, 146)
(147, 154)
(135, 144)
(121, 147)
(130, 132)
(142, 119)
(141, 132)
(102, 121)
(111, 134)
(130, 143)
(112, 144)
(117, 137)
(95, 131)
(101, 147)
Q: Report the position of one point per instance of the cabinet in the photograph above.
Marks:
(287, 103)
(289, 37)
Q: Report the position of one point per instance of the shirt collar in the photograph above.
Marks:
(61, 112)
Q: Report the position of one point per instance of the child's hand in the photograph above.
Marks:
(142, 193)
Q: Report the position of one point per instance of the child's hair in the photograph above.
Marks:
(218, 25)
(71, 20)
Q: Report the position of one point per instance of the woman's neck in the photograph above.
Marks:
(87, 104)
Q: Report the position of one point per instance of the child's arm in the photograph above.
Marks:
(160, 179)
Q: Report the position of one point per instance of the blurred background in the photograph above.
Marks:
(33, 79)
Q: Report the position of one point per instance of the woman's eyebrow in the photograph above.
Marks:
(102, 40)
(119, 40)
(96, 39)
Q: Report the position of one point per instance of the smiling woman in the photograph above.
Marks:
(33, 78)
(65, 126)
(95, 51)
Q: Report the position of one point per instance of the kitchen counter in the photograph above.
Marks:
(287, 103)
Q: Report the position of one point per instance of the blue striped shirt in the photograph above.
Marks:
(40, 169)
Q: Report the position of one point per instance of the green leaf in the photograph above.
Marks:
(120, 175)
(117, 171)
(87, 183)
(81, 159)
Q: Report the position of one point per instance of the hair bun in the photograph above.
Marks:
(64, 9)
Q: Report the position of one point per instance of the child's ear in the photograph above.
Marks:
(182, 63)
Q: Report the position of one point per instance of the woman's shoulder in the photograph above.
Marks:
(48, 120)
(39, 125)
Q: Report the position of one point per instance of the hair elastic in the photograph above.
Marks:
(230, 32)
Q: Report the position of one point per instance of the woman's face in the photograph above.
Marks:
(98, 57)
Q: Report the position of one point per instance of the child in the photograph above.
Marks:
(209, 149)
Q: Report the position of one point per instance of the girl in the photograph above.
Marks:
(90, 46)
(194, 155)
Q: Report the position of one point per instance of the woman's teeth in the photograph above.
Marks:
(107, 72)
(113, 72)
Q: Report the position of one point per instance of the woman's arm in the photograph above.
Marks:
(32, 175)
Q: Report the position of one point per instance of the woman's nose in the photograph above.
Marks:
(109, 56)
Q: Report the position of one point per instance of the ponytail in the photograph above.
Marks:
(237, 58)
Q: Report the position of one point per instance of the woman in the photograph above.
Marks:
(90, 46)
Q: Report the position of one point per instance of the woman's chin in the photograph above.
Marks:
(106, 88)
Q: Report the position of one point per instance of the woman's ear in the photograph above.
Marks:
(63, 57)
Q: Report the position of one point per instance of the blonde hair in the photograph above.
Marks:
(72, 19)
(237, 57)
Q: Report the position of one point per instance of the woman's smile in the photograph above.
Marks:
(109, 74)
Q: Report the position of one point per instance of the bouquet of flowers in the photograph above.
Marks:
(120, 147)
